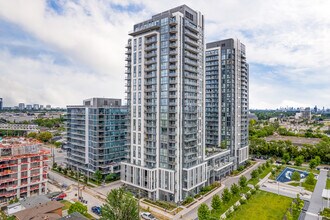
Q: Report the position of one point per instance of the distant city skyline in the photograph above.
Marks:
(61, 52)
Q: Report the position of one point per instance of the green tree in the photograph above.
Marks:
(295, 176)
(32, 135)
(312, 164)
(216, 202)
(78, 207)
(286, 158)
(317, 160)
(98, 176)
(234, 189)
(120, 205)
(57, 144)
(203, 212)
(3, 216)
(111, 177)
(226, 195)
(54, 165)
(242, 181)
(299, 160)
(254, 174)
(45, 136)
(310, 179)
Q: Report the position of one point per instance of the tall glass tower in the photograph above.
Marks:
(164, 75)
(226, 103)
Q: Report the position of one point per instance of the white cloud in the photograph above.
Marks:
(291, 35)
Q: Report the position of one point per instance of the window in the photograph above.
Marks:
(190, 16)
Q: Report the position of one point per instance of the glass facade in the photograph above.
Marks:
(96, 138)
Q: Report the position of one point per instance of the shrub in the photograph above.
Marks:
(216, 202)
(253, 191)
(247, 195)
(242, 201)
(242, 181)
(257, 187)
(235, 189)
(240, 168)
(188, 200)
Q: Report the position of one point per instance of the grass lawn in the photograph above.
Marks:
(306, 186)
(66, 204)
(304, 169)
(328, 184)
(263, 206)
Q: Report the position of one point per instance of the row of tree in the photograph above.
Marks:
(287, 151)
(204, 213)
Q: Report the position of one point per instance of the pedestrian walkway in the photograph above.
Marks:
(316, 200)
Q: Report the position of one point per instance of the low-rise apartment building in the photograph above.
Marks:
(23, 168)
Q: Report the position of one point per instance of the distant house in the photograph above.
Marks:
(27, 203)
(51, 211)
(74, 216)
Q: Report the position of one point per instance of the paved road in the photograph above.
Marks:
(192, 214)
(59, 178)
(316, 200)
(104, 190)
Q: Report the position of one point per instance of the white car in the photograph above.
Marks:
(147, 216)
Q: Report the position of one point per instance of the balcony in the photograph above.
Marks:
(172, 67)
(152, 47)
(173, 30)
(191, 42)
(173, 38)
(191, 34)
(151, 61)
(191, 27)
(173, 22)
(149, 55)
(191, 49)
(173, 45)
(173, 52)
(151, 40)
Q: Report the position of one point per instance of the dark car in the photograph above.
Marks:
(96, 210)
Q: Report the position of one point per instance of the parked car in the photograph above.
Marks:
(147, 216)
(62, 195)
(96, 210)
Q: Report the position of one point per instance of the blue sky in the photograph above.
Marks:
(61, 52)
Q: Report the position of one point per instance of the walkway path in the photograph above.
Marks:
(316, 200)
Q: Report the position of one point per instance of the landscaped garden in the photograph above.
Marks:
(260, 173)
(262, 205)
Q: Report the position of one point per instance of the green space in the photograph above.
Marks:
(304, 169)
(328, 184)
(262, 173)
(309, 187)
(225, 205)
(66, 204)
(263, 205)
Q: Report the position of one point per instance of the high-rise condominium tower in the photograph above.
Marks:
(226, 102)
(165, 102)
